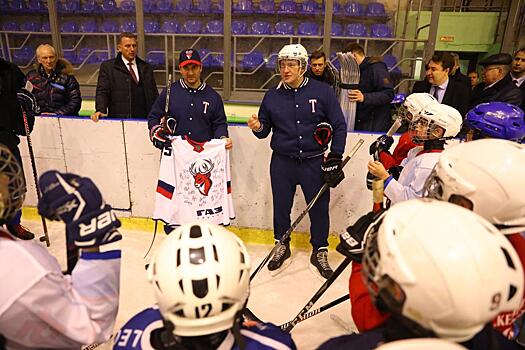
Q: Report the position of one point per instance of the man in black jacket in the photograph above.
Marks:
(54, 86)
(518, 73)
(126, 87)
(438, 84)
(456, 75)
(321, 70)
(373, 94)
(497, 83)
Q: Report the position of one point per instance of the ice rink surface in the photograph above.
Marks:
(273, 299)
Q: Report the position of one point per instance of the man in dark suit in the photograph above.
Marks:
(438, 84)
(126, 87)
(497, 83)
(517, 73)
(456, 75)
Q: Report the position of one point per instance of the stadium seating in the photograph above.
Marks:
(309, 7)
(17, 6)
(88, 26)
(149, 6)
(31, 26)
(242, 6)
(71, 56)
(23, 56)
(380, 30)
(90, 6)
(69, 6)
(375, 9)
(271, 61)
(287, 7)
(308, 29)
(337, 29)
(109, 6)
(202, 6)
(68, 27)
(183, 6)
(192, 27)
(85, 54)
(109, 26)
(218, 7)
(356, 29)
(214, 27)
(284, 28)
(335, 62)
(265, 7)
(128, 26)
(151, 26)
(127, 6)
(338, 8)
(261, 28)
(251, 61)
(10, 26)
(354, 9)
(35, 6)
(46, 27)
(170, 26)
(239, 27)
(164, 6)
(156, 57)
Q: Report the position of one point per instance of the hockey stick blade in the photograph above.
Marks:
(394, 127)
(294, 225)
(319, 310)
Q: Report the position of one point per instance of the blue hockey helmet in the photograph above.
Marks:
(497, 120)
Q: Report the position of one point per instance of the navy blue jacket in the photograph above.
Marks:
(292, 115)
(199, 112)
(373, 114)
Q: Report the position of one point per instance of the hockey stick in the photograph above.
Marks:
(164, 121)
(153, 239)
(350, 76)
(303, 214)
(395, 126)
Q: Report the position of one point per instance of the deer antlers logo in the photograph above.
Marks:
(201, 172)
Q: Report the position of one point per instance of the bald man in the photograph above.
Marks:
(55, 88)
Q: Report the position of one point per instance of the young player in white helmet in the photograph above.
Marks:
(430, 129)
(40, 307)
(440, 271)
(291, 112)
(484, 176)
(200, 276)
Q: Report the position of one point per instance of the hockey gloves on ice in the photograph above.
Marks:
(383, 143)
(323, 134)
(332, 169)
(352, 242)
(76, 201)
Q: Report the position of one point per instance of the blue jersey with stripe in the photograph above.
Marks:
(135, 335)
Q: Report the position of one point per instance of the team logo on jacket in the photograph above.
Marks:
(201, 172)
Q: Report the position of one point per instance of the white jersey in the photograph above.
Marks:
(194, 183)
(417, 166)
(42, 308)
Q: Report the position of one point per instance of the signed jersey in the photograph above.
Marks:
(194, 183)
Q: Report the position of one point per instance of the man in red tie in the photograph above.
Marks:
(126, 86)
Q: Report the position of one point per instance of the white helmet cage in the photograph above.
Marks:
(487, 173)
(293, 52)
(440, 122)
(414, 104)
(200, 276)
(450, 277)
(421, 344)
(12, 197)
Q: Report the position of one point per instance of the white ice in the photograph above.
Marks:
(273, 299)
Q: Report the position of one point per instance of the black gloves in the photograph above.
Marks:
(369, 180)
(395, 171)
(383, 143)
(332, 170)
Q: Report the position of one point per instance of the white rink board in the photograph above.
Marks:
(119, 157)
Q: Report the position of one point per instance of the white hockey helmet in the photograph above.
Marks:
(200, 275)
(486, 174)
(414, 104)
(442, 268)
(293, 52)
(435, 121)
(421, 344)
(12, 185)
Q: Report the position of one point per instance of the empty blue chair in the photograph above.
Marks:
(10, 26)
(170, 26)
(202, 6)
(310, 7)
(68, 27)
(109, 6)
(214, 27)
(46, 27)
(391, 61)
(308, 29)
(337, 29)
(164, 6)
(192, 27)
(287, 8)
(218, 7)
(243, 6)
(17, 6)
(127, 6)
(71, 56)
(183, 6)
(265, 6)
(151, 26)
(271, 62)
(109, 26)
(354, 9)
(23, 56)
(36, 6)
(338, 8)
(128, 26)
(31, 26)
(71, 6)
(4, 5)
(261, 28)
(90, 6)
(284, 28)
(380, 31)
(89, 26)
(252, 61)
(84, 54)
(239, 27)
(356, 29)
(156, 57)
(149, 6)
(375, 9)
(206, 57)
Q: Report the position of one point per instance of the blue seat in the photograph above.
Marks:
(287, 8)
(149, 6)
(170, 26)
(183, 6)
(239, 27)
(68, 27)
(271, 61)
(390, 60)
(4, 5)
(88, 26)
(206, 57)
(36, 6)
(127, 6)
(23, 56)
(90, 6)
(128, 25)
(284, 28)
(17, 6)
(308, 28)
(31, 26)
(202, 6)
(380, 30)
(70, 6)
(84, 54)
(46, 27)
(338, 8)
(337, 29)
(151, 26)
(192, 27)
(156, 57)
(356, 29)
(109, 6)
(218, 7)
(10, 26)
(375, 9)
(261, 28)
(354, 9)
(71, 56)
(251, 61)
(310, 7)
(109, 26)
(164, 6)
(214, 27)
(243, 6)
(265, 6)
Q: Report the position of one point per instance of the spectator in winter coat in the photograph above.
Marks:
(374, 92)
(321, 70)
(54, 86)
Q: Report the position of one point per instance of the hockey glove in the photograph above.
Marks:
(75, 200)
(383, 143)
(369, 180)
(159, 137)
(332, 170)
(352, 242)
(395, 171)
(30, 107)
(323, 134)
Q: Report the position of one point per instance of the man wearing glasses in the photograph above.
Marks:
(497, 83)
